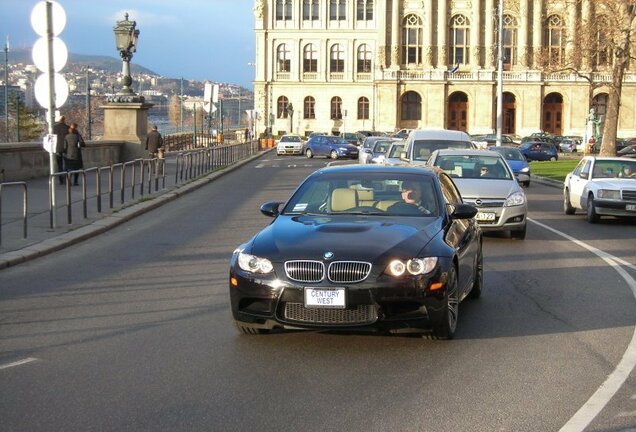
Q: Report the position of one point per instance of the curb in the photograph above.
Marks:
(100, 226)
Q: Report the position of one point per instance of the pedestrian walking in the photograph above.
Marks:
(154, 141)
(60, 129)
(247, 134)
(73, 143)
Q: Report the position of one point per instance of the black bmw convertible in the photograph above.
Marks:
(361, 247)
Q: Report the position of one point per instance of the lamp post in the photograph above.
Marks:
(290, 111)
(88, 105)
(6, 90)
(126, 41)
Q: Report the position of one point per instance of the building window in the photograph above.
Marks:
(363, 108)
(283, 57)
(336, 63)
(365, 10)
(310, 10)
(310, 58)
(337, 10)
(601, 51)
(554, 37)
(412, 40)
(309, 111)
(283, 10)
(510, 40)
(411, 106)
(283, 102)
(459, 40)
(336, 108)
(364, 58)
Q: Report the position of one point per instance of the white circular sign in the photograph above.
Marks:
(38, 18)
(41, 54)
(41, 90)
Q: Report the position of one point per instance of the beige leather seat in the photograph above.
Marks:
(343, 199)
(365, 197)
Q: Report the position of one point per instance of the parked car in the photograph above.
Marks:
(485, 180)
(402, 133)
(485, 141)
(568, 145)
(373, 149)
(421, 143)
(601, 186)
(392, 157)
(629, 151)
(517, 162)
(289, 144)
(330, 146)
(339, 255)
(539, 151)
(352, 138)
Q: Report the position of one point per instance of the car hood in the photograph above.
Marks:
(615, 183)
(484, 188)
(347, 237)
(517, 165)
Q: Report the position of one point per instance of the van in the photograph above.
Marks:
(421, 143)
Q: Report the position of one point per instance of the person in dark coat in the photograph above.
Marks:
(154, 141)
(60, 129)
(73, 143)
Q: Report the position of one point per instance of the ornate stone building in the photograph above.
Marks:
(348, 65)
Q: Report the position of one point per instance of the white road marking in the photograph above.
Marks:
(627, 414)
(259, 166)
(18, 363)
(584, 416)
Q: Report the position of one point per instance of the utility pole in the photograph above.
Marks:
(89, 120)
(17, 115)
(6, 90)
(181, 107)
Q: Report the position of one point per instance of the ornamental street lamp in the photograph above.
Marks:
(290, 111)
(126, 41)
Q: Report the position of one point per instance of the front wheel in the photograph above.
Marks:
(445, 329)
(553, 158)
(592, 216)
(518, 234)
(333, 154)
(309, 154)
(478, 282)
(567, 205)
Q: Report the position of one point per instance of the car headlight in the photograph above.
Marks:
(525, 170)
(516, 199)
(609, 194)
(414, 266)
(254, 264)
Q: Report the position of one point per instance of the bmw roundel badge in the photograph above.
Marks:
(328, 255)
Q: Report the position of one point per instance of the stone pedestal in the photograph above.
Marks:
(128, 122)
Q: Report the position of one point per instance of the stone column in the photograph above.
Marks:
(489, 41)
(380, 17)
(442, 32)
(523, 34)
(128, 122)
(570, 46)
(586, 16)
(395, 34)
(428, 34)
(475, 41)
(537, 32)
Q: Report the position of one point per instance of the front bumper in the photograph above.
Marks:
(289, 150)
(615, 207)
(379, 303)
(505, 218)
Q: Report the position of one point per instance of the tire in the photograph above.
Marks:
(445, 329)
(592, 216)
(478, 283)
(248, 329)
(527, 184)
(333, 154)
(309, 154)
(567, 204)
(552, 159)
(519, 234)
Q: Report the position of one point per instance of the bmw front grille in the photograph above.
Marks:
(307, 271)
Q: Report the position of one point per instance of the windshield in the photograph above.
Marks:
(614, 169)
(336, 141)
(509, 154)
(381, 146)
(365, 193)
(396, 150)
(422, 149)
(474, 166)
(290, 139)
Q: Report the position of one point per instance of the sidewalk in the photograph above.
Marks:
(42, 239)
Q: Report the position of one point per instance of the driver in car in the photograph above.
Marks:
(412, 203)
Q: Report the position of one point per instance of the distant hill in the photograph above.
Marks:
(105, 63)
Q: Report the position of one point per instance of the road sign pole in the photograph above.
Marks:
(51, 110)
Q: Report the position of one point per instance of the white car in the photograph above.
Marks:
(289, 144)
(601, 186)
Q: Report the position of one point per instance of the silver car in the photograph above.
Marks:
(485, 180)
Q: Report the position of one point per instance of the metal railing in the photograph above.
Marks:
(25, 201)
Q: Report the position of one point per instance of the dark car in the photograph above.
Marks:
(539, 151)
(330, 146)
(517, 162)
(629, 151)
(347, 253)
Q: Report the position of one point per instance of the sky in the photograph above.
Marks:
(194, 39)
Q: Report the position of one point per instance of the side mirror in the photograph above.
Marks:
(271, 208)
(464, 211)
(404, 156)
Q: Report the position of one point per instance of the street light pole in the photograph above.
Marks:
(181, 108)
(17, 115)
(88, 105)
(6, 90)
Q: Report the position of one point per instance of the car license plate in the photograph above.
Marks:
(485, 217)
(325, 298)
(631, 207)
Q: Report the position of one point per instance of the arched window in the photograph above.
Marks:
(554, 40)
(459, 40)
(363, 108)
(337, 10)
(364, 10)
(310, 10)
(283, 10)
(309, 109)
(283, 57)
(412, 39)
(336, 108)
(601, 51)
(511, 28)
(364, 58)
(336, 63)
(283, 102)
(411, 106)
(310, 58)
